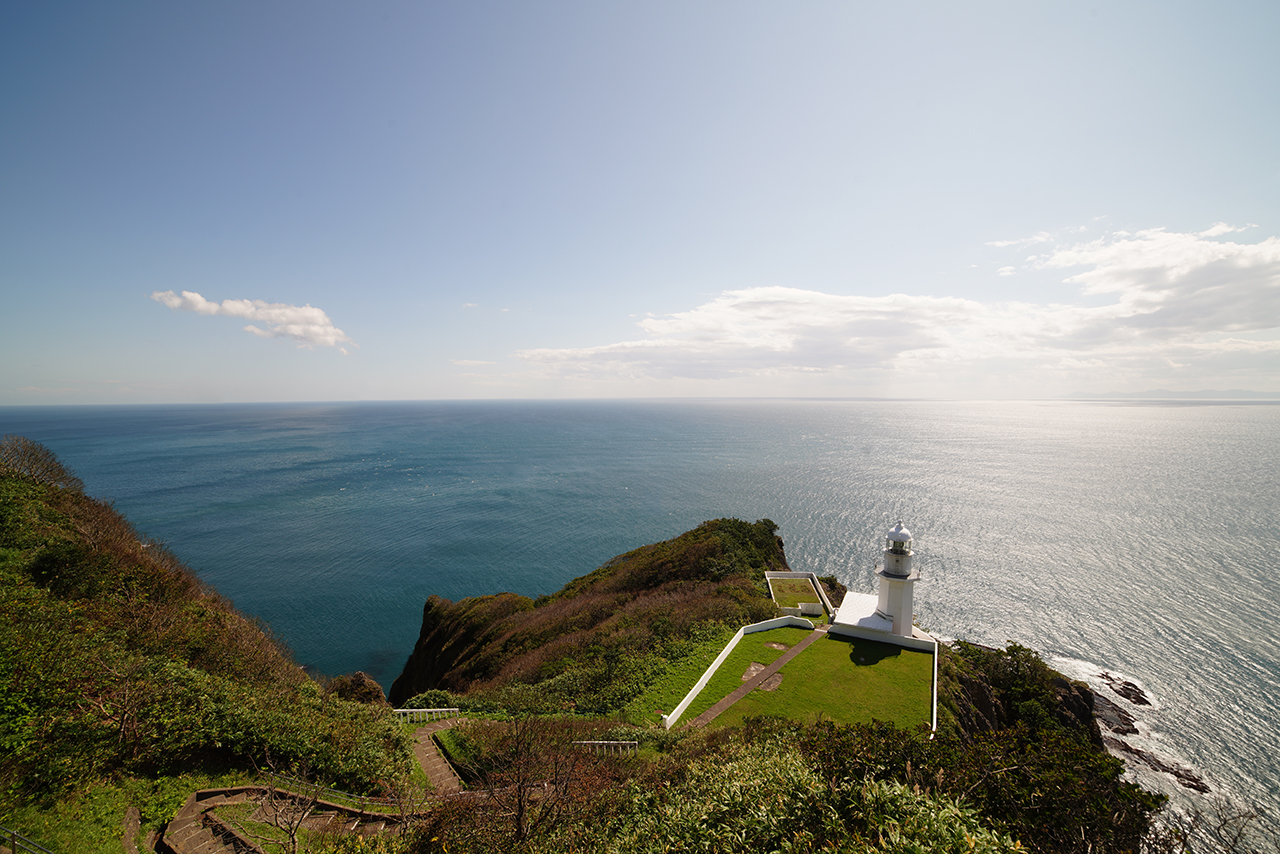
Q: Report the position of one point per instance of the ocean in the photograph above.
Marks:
(1137, 538)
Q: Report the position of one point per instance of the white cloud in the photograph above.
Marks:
(775, 329)
(1040, 237)
(307, 325)
(1180, 306)
(1171, 284)
(1006, 271)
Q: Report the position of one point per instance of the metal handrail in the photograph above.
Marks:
(300, 786)
(610, 748)
(424, 715)
(17, 840)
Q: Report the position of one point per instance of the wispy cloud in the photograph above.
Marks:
(1189, 304)
(1039, 237)
(306, 324)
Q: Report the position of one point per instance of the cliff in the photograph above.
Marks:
(637, 604)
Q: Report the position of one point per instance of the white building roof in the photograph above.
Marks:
(859, 609)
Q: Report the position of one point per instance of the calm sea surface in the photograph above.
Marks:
(1140, 538)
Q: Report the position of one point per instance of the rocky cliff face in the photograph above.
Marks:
(452, 634)
(989, 689)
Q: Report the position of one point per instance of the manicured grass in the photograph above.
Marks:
(847, 681)
(681, 675)
(790, 592)
(729, 677)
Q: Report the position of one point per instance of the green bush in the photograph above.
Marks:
(1048, 789)
(765, 797)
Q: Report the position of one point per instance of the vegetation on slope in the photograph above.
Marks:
(116, 661)
(723, 791)
(775, 785)
(598, 642)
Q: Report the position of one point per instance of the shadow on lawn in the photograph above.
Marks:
(865, 653)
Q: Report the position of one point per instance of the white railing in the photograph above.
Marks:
(421, 716)
(610, 748)
(776, 623)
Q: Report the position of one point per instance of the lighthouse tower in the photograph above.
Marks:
(897, 581)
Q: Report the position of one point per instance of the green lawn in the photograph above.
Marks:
(751, 648)
(847, 681)
(790, 592)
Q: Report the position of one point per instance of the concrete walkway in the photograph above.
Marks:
(438, 770)
(712, 713)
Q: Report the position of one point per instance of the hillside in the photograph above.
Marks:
(115, 660)
(641, 607)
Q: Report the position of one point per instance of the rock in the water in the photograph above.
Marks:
(1184, 777)
(1113, 717)
(1125, 688)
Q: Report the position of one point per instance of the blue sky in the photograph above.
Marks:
(315, 201)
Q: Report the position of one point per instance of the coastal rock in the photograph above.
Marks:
(1184, 777)
(1076, 705)
(983, 712)
(1125, 688)
(452, 633)
(577, 642)
(1113, 717)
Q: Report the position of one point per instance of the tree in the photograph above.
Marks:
(22, 457)
(286, 809)
(528, 779)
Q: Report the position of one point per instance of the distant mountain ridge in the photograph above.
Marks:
(1165, 394)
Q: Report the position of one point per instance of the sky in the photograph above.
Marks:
(277, 201)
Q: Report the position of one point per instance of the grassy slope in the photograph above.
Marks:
(752, 648)
(665, 692)
(119, 669)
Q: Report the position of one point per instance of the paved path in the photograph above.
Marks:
(712, 713)
(439, 772)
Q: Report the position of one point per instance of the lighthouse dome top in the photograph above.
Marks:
(899, 534)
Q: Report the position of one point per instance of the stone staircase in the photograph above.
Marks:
(444, 780)
(196, 830)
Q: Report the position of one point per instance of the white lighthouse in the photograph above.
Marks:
(897, 581)
(887, 615)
